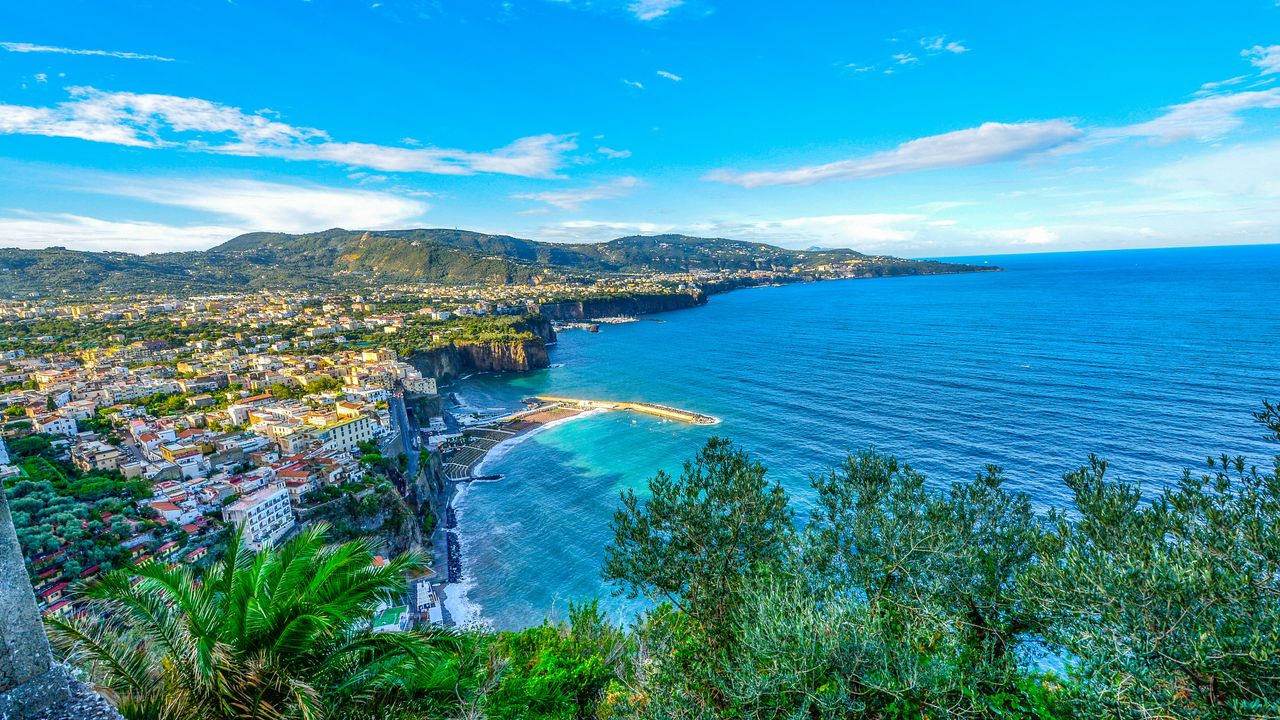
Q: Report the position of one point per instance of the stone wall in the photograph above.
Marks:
(32, 686)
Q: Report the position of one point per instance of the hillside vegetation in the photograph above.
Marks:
(342, 259)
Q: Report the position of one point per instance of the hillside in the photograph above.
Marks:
(341, 259)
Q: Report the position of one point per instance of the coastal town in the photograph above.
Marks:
(145, 429)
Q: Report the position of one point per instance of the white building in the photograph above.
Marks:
(265, 516)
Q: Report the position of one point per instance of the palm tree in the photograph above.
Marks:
(276, 635)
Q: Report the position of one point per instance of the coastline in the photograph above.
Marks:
(461, 610)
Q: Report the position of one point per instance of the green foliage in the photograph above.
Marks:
(697, 540)
(903, 601)
(47, 520)
(30, 445)
(277, 634)
(1169, 606)
(700, 542)
(560, 671)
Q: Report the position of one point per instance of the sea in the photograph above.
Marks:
(1152, 359)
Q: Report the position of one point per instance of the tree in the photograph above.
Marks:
(928, 581)
(697, 544)
(277, 634)
(1170, 607)
(696, 540)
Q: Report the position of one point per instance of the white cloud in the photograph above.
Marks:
(19, 47)
(256, 205)
(1036, 236)
(41, 77)
(1212, 87)
(150, 120)
(633, 83)
(1204, 119)
(234, 207)
(614, 154)
(573, 199)
(670, 76)
(930, 46)
(653, 9)
(1266, 59)
(1244, 175)
(78, 232)
(987, 143)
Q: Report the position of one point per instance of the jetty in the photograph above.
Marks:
(662, 411)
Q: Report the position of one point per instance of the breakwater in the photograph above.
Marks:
(663, 411)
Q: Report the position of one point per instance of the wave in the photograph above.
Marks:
(465, 612)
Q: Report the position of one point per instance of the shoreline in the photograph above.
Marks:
(461, 610)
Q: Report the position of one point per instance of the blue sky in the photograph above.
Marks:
(917, 129)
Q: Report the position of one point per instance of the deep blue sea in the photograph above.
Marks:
(1153, 359)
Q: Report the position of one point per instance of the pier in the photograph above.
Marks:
(662, 411)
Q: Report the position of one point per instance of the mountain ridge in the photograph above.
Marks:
(340, 259)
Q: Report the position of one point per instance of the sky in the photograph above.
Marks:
(920, 129)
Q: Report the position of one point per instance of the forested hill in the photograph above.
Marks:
(344, 259)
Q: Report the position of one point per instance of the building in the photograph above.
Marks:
(189, 459)
(95, 456)
(54, 425)
(393, 619)
(328, 433)
(265, 516)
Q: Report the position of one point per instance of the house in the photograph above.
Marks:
(174, 513)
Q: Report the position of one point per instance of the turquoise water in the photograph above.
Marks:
(1153, 359)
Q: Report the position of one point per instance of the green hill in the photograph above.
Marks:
(343, 259)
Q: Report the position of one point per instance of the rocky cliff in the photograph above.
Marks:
(448, 362)
(573, 310)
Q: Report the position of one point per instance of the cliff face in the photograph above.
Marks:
(574, 310)
(449, 362)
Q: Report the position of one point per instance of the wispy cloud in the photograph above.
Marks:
(20, 47)
(653, 9)
(633, 83)
(193, 124)
(670, 76)
(940, 43)
(987, 143)
(256, 205)
(573, 199)
(1213, 87)
(1217, 109)
(614, 154)
(929, 47)
(1266, 59)
(1204, 119)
